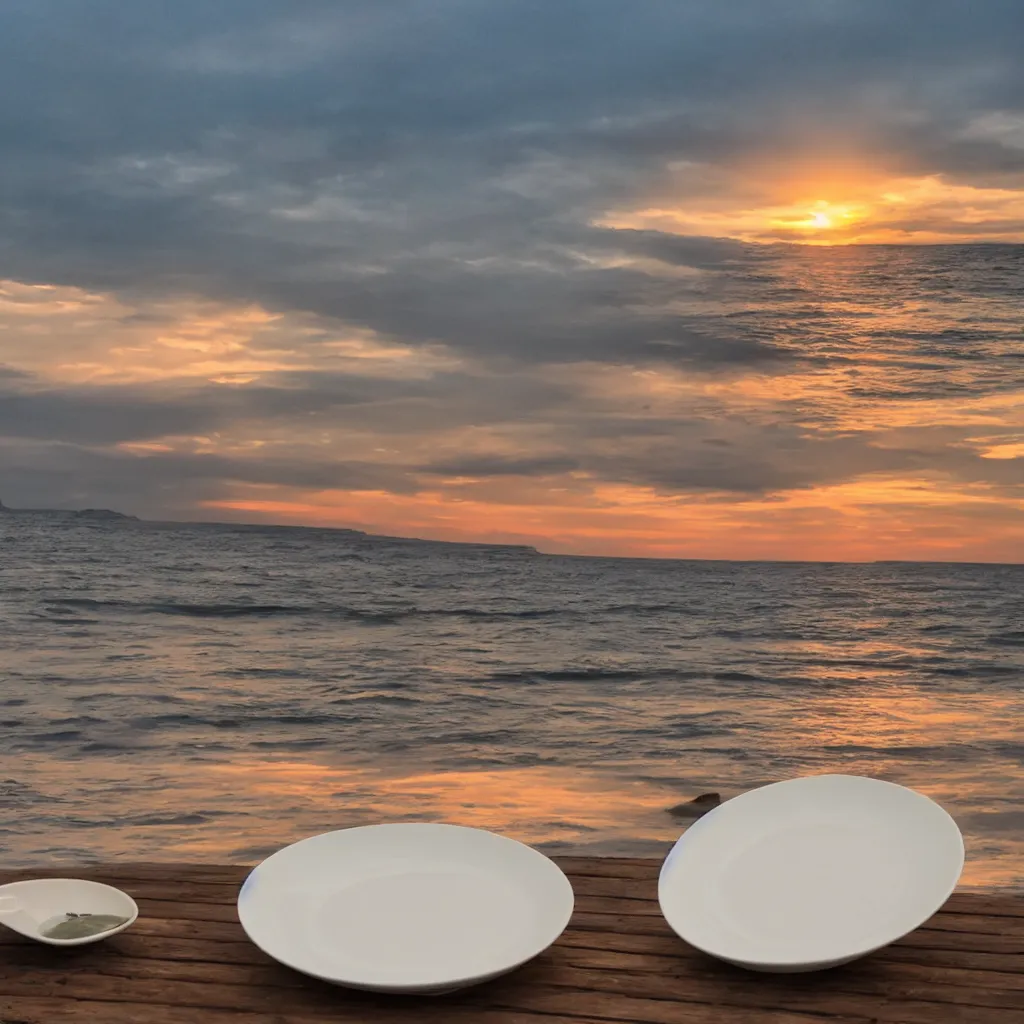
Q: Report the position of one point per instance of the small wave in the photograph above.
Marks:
(1012, 638)
(970, 671)
(909, 752)
(61, 611)
(685, 730)
(261, 672)
(643, 609)
(213, 611)
(15, 794)
(377, 698)
(157, 723)
(586, 675)
(291, 746)
(484, 614)
(173, 819)
(547, 613)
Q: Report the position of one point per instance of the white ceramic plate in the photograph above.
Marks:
(31, 907)
(405, 907)
(810, 873)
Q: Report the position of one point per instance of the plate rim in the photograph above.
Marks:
(789, 962)
(424, 985)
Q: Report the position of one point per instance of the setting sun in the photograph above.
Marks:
(824, 216)
(787, 207)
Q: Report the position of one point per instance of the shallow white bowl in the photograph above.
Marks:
(405, 907)
(810, 873)
(31, 906)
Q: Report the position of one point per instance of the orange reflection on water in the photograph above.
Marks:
(896, 733)
(242, 811)
(890, 718)
(536, 805)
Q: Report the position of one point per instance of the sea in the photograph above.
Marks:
(201, 692)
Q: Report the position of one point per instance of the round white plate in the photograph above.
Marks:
(810, 873)
(405, 907)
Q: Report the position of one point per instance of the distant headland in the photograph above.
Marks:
(83, 513)
(109, 515)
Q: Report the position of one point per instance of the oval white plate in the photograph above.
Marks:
(405, 907)
(30, 907)
(810, 873)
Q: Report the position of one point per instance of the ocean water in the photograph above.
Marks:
(200, 692)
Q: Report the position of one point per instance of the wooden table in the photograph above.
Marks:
(187, 961)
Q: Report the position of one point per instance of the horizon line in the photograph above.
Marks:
(122, 517)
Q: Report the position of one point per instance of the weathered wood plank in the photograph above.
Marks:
(208, 964)
(509, 1003)
(927, 937)
(851, 992)
(661, 1000)
(877, 974)
(35, 1010)
(187, 960)
(669, 945)
(625, 1009)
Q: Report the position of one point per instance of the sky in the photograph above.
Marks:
(600, 277)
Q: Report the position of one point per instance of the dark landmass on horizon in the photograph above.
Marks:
(82, 513)
(109, 515)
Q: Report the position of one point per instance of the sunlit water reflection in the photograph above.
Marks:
(201, 693)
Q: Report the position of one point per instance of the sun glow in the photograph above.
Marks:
(843, 211)
(823, 216)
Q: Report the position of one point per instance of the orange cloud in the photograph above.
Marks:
(72, 335)
(615, 416)
(878, 518)
(841, 211)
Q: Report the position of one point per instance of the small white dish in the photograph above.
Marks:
(32, 907)
(405, 907)
(810, 873)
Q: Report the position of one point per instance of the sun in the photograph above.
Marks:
(822, 218)
(818, 222)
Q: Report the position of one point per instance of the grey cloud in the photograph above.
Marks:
(98, 417)
(779, 459)
(490, 466)
(434, 172)
(306, 473)
(681, 458)
(167, 483)
(681, 250)
(298, 401)
(461, 150)
(767, 461)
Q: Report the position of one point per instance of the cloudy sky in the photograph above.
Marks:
(584, 274)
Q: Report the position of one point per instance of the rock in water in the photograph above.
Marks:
(697, 807)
